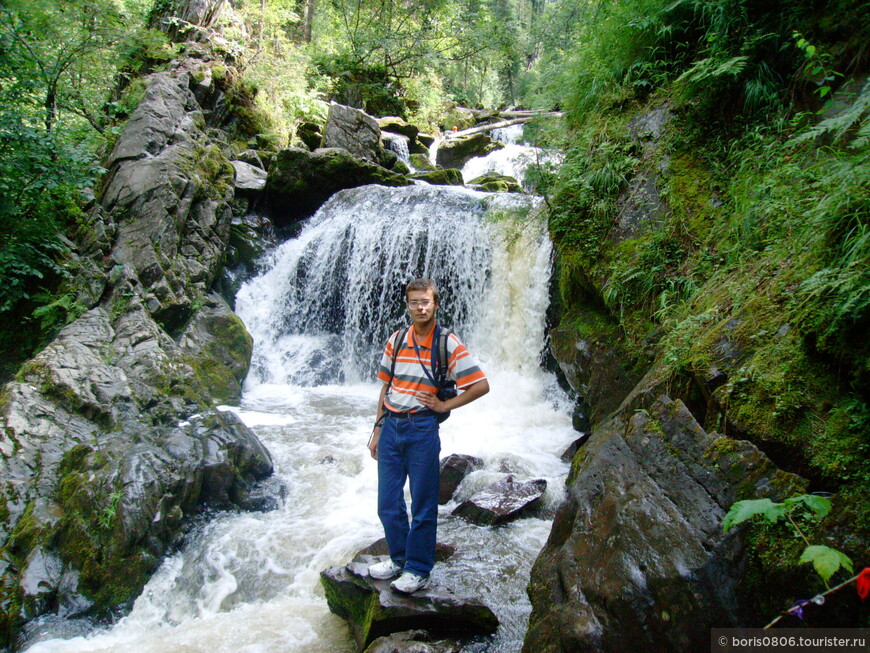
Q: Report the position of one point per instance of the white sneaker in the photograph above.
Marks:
(384, 570)
(409, 582)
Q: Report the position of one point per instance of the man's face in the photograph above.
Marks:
(421, 306)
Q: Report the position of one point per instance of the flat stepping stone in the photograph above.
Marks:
(373, 609)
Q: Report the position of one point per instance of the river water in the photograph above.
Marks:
(319, 314)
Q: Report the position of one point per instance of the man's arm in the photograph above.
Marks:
(376, 433)
(472, 392)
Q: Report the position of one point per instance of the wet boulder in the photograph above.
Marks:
(454, 468)
(445, 177)
(372, 609)
(493, 182)
(169, 192)
(503, 502)
(639, 538)
(300, 182)
(456, 151)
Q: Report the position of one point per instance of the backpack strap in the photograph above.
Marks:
(401, 336)
(439, 353)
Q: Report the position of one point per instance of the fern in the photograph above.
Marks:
(708, 71)
(835, 128)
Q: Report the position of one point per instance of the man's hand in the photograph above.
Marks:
(472, 392)
(432, 402)
(373, 442)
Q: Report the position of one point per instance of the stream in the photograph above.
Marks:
(319, 313)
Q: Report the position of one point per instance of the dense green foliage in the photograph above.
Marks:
(754, 261)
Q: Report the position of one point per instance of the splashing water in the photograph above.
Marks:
(319, 316)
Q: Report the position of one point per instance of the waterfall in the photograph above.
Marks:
(334, 294)
(512, 160)
(320, 313)
(398, 144)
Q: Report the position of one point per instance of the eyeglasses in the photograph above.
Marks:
(423, 303)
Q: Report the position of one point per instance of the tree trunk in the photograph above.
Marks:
(201, 13)
(309, 20)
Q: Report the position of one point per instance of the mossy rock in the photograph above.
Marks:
(300, 182)
(396, 125)
(421, 162)
(493, 182)
(446, 177)
(400, 167)
(311, 134)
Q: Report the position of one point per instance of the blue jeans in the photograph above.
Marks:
(409, 448)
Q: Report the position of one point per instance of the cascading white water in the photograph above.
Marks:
(319, 315)
(398, 144)
(512, 160)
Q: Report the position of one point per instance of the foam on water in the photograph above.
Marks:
(319, 316)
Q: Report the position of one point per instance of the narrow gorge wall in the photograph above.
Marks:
(109, 437)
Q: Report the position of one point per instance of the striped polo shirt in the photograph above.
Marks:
(410, 377)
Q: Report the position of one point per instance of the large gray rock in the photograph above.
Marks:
(248, 177)
(374, 610)
(100, 457)
(353, 130)
(168, 190)
(637, 557)
(99, 472)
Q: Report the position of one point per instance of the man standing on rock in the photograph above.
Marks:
(405, 440)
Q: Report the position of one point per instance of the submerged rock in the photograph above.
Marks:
(502, 502)
(374, 610)
(413, 641)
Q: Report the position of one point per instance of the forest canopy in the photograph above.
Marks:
(71, 73)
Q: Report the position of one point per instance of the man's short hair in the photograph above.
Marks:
(422, 285)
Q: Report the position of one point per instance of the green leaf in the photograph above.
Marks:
(750, 508)
(827, 561)
(820, 506)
